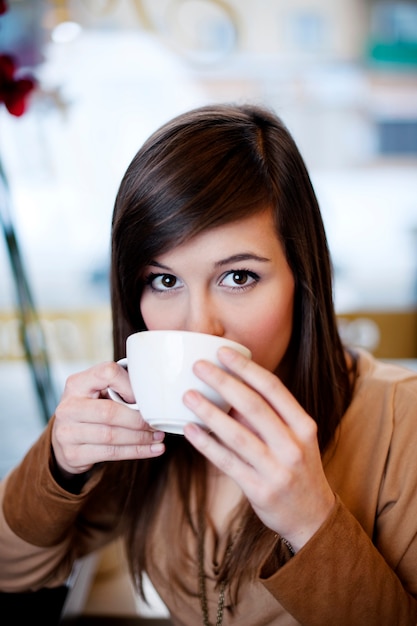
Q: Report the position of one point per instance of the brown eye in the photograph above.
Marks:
(168, 280)
(163, 282)
(240, 278)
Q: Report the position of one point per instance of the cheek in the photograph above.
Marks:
(158, 314)
(270, 336)
(152, 314)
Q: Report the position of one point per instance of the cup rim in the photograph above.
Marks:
(170, 331)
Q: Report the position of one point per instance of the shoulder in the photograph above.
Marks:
(369, 367)
(388, 386)
(373, 452)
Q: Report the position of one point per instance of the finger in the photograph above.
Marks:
(268, 385)
(96, 379)
(103, 429)
(222, 457)
(82, 458)
(236, 448)
(103, 434)
(100, 411)
(255, 409)
(254, 465)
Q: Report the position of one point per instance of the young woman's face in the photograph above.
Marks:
(232, 281)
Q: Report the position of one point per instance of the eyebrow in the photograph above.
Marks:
(244, 256)
(234, 258)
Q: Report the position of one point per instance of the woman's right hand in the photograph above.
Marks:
(90, 428)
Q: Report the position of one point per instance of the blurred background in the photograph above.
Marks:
(342, 74)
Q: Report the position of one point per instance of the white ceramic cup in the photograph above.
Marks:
(159, 363)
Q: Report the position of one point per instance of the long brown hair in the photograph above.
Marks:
(207, 167)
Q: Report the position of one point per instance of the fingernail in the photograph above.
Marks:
(157, 447)
(192, 429)
(228, 353)
(158, 435)
(201, 367)
(191, 398)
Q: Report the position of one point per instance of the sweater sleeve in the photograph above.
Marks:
(339, 577)
(43, 527)
(360, 567)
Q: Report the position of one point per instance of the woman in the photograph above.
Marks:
(300, 506)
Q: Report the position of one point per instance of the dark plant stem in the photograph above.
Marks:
(32, 335)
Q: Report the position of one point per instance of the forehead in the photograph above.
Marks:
(255, 234)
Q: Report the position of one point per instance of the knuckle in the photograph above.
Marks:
(71, 456)
(311, 431)
(109, 411)
(111, 453)
(271, 385)
(296, 455)
(143, 452)
(307, 434)
(109, 369)
(107, 435)
(62, 423)
(107, 373)
(240, 439)
(249, 401)
(62, 431)
(71, 383)
(226, 463)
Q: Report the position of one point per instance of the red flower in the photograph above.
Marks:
(13, 91)
(3, 6)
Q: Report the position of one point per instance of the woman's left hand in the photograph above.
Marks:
(268, 445)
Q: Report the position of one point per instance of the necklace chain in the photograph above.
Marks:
(202, 580)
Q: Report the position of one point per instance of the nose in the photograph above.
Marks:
(204, 316)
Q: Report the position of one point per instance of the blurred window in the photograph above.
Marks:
(307, 31)
(397, 137)
(394, 33)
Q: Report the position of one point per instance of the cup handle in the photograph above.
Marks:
(115, 396)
